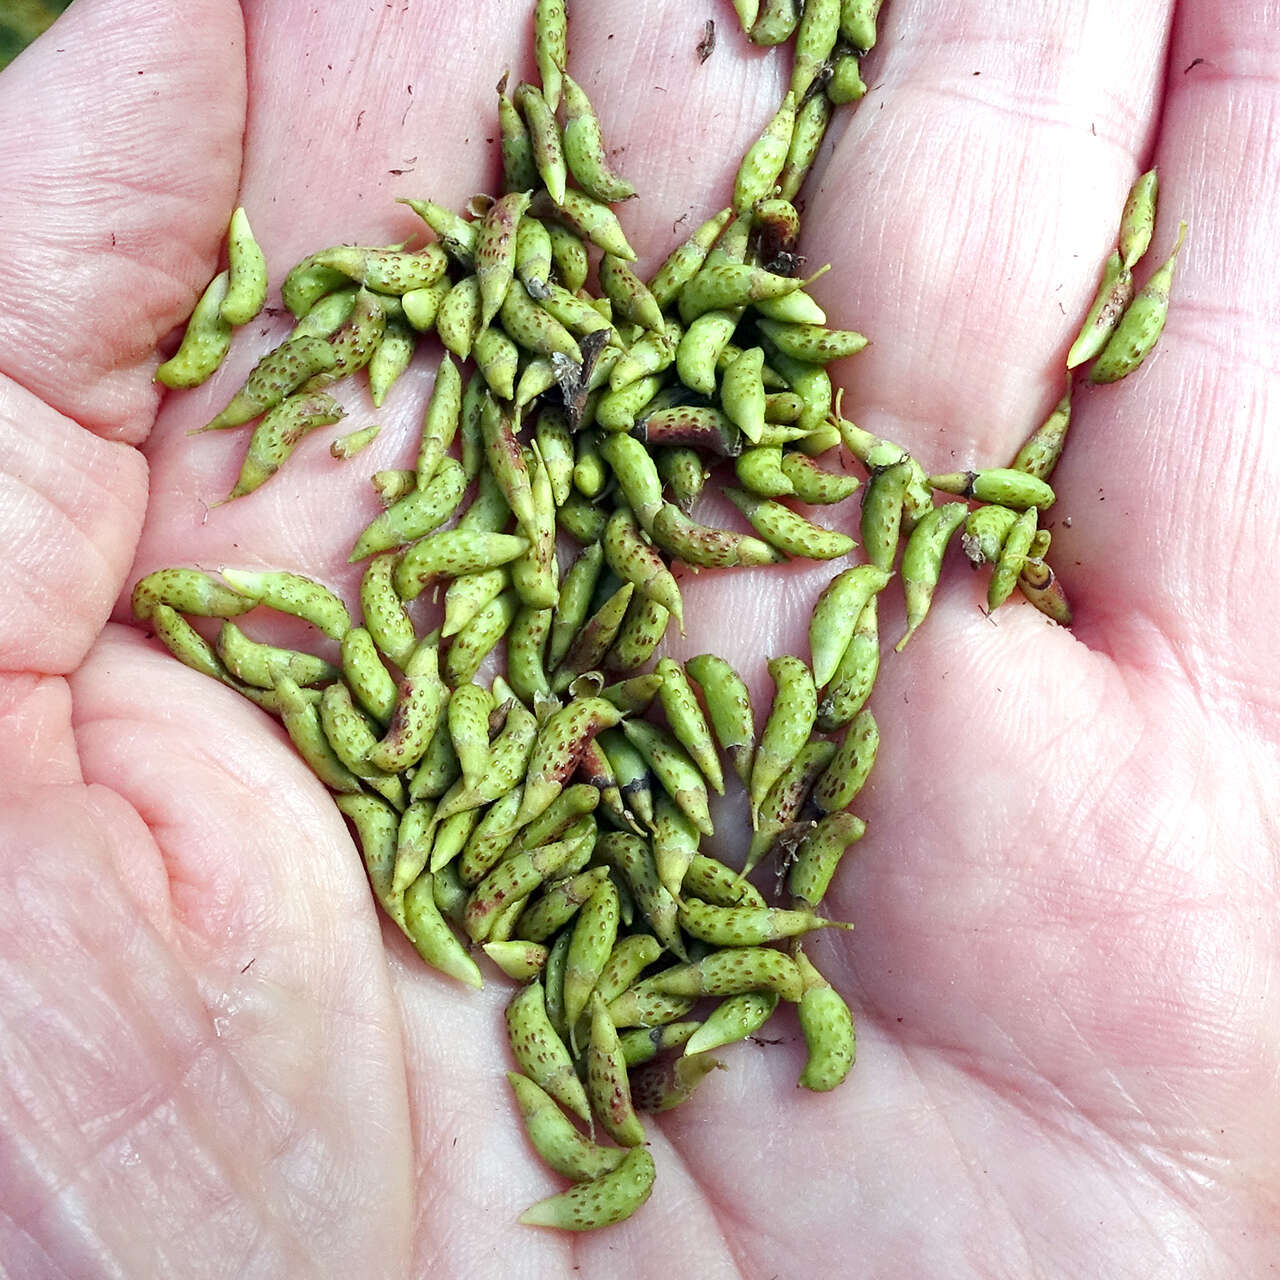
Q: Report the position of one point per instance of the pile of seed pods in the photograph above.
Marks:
(553, 815)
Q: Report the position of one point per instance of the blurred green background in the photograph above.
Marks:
(21, 21)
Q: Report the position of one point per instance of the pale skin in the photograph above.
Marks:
(215, 1058)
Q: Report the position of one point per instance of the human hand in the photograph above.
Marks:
(1063, 971)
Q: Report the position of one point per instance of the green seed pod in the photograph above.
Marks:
(635, 561)
(776, 23)
(642, 1006)
(720, 286)
(495, 253)
(759, 471)
(629, 295)
(390, 270)
(558, 748)
(595, 930)
(713, 882)
(491, 838)
(478, 638)
(746, 926)
(612, 1197)
(275, 376)
(569, 256)
(550, 47)
(257, 664)
(344, 448)
(194, 651)
(687, 722)
(788, 531)
(734, 1019)
(421, 306)
(555, 444)
(415, 515)
(413, 845)
(922, 561)
(632, 856)
(457, 235)
(698, 426)
(419, 709)
(846, 84)
(574, 601)
(814, 485)
(882, 503)
(520, 960)
(748, 11)
(788, 727)
(696, 544)
(392, 484)
(587, 650)
(731, 972)
(844, 777)
(631, 770)
(431, 936)
(352, 739)
(369, 681)
(247, 273)
(536, 575)
(682, 474)
(590, 475)
(637, 475)
(854, 677)
(440, 422)
(467, 595)
(778, 823)
(585, 151)
(792, 308)
(858, 22)
(1013, 555)
(827, 1026)
(1115, 291)
(742, 393)
(512, 880)
(1017, 490)
(295, 595)
(580, 519)
(384, 616)
(634, 694)
(675, 842)
(544, 137)
(498, 359)
(650, 353)
(559, 903)
(701, 346)
(819, 855)
(190, 591)
(660, 1086)
(278, 434)
(205, 343)
(985, 531)
(451, 837)
(451, 553)
(812, 343)
(617, 411)
(782, 408)
(729, 708)
(526, 645)
(533, 256)
(643, 1044)
(301, 718)
(595, 221)
(556, 1139)
(675, 770)
(815, 39)
(1141, 325)
(505, 457)
(438, 771)
(540, 1052)
(1138, 220)
(642, 630)
(596, 772)
(354, 341)
(458, 319)
(1043, 447)
(812, 119)
(468, 720)
(684, 262)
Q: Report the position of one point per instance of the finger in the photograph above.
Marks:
(967, 204)
(1171, 474)
(118, 163)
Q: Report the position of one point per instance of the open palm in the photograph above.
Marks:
(212, 1062)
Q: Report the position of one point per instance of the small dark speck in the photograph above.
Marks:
(328, 66)
(977, 73)
(113, 239)
(1195, 62)
(707, 45)
(1066, 522)
(248, 966)
(1093, 129)
(142, 73)
(359, 121)
(1062, 308)
(899, 1019)
(395, 173)
(455, 1142)
(610, 35)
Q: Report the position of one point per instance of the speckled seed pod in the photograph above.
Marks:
(684, 262)
(788, 727)
(592, 642)
(388, 625)
(278, 434)
(632, 856)
(789, 531)
(643, 628)
(675, 842)
(730, 972)
(419, 709)
(687, 722)
(635, 561)
(540, 1053)
(729, 708)
(827, 1026)
(584, 149)
(205, 342)
(854, 677)
(812, 343)
(415, 515)
(849, 767)
(675, 770)
(776, 23)
(555, 1137)
(815, 38)
(1017, 490)
(457, 235)
(660, 1086)
(593, 220)
(733, 1019)
(294, 594)
(557, 749)
(819, 854)
(279, 372)
(610, 1198)
(1013, 555)
(370, 682)
(190, 591)
(722, 285)
(1043, 447)
(778, 822)
(431, 936)
(810, 128)
(1138, 219)
(450, 553)
(922, 561)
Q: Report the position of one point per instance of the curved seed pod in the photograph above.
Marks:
(922, 561)
(419, 708)
(759, 471)
(1017, 490)
(376, 824)
(846, 83)
(575, 314)
(468, 720)
(559, 903)
(596, 222)
(631, 770)
(687, 722)
(730, 972)
(247, 273)
(633, 857)
(643, 1044)
(574, 601)
(882, 502)
(819, 855)
(384, 617)
(812, 119)
(848, 770)
(617, 411)
(854, 677)
(552, 980)
(495, 252)
(555, 443)
(519, 173)
(369, 681)
(792, 308)
(985, 531)
(257, 664)
(729, 708)
(190, 591)
(1041, 587)
(696, 544)
(295, 595)
(555, 1137)
(650, 353)
(700, 348)
(595, 930)
(536, 574)
(569, 256)
(413, 845)
(734, 1019)
(783, 408)
(827, 1026)
(450, 894)
(812, 343)
(724, 285)
(194, 651)
(415, 515)
(1043, 447)
(392, 484)
(466, 595)
(558, 747)
(277, 435)
(682, 474)
(344, 448)
(1141, 325)
(642, 1006)
(431, 936)
(747, 926)
(451, 837)
(458, 319)
(742, 393)
(643, 628)
(205, 342)
(637, 475)
(788, 531)
(477, 639)
(1013, 555)
(320, 298)
(814, 485)
(675, 770)
(592, 642)
(519, 960)
(701, 427)
(1115, 291)
(788, 727)
(858, 22)
(505, 457)
(301, 719)
(451, 553)
(776, 23)
(472, 441)
(777, 823)
(421, 306)
(275, 376)
(508, 755)
(390, 270)
(544, 137)
(719, 885)
(612, 1197)
(539, 1051)
(814, 41)
(660, 1086)
(684, 262)
(812, 383)
(512, 880)
(1138, 220)
(491, 838)
(635, 694)
(354, 341)
(629, 295)
(634, 560)
(437, 771)
(584, 149)
(526, 641)
(675, 842)
(440, 422)
(628, 959)
(533, 256)
(498, 359)
(550, 47)
(533, 327)
(596, 772)
(580, 519)
(457, 235)
(352, 739)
